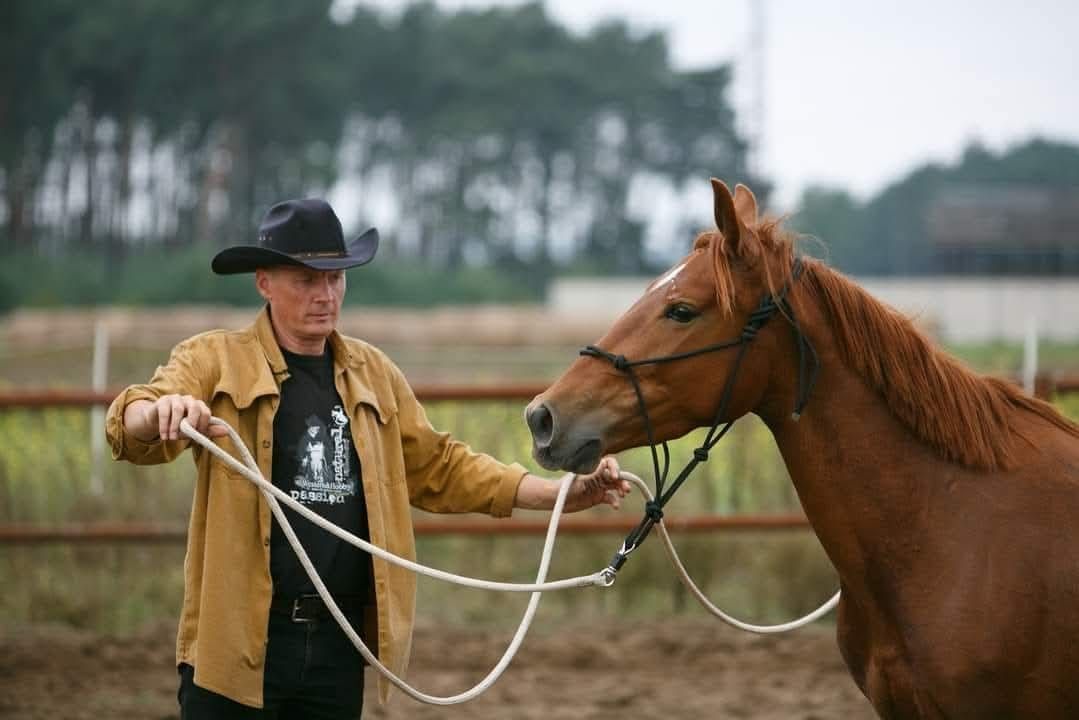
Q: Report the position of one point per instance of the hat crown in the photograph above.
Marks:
(306, 233)
(302, 228)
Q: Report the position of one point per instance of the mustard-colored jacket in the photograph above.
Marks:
(403, 460)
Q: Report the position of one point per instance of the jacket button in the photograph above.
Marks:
(266, 541)
(266, 443)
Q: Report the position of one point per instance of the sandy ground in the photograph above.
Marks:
(663, 669)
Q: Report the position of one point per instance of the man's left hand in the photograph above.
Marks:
(603, 486)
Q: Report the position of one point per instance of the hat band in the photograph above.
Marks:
(318, 254)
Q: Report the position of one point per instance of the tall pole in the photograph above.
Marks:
(98, 380)
(1030, 355)
(756, 57)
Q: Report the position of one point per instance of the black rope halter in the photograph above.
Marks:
(808, 367)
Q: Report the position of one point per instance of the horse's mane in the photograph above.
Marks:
(967, 417)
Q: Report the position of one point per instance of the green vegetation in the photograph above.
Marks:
(1006, 358)
(1069, 405)
(140, 282)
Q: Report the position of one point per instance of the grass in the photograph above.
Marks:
(1007, 358)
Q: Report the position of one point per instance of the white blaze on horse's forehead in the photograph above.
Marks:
(669, 277)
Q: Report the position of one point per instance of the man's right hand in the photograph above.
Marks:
(148, 420)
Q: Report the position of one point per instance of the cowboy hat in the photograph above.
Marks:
(299, 232)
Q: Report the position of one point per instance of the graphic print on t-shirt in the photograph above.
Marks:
(315, 461)
(322, 461)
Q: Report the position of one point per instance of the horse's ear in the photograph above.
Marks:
(745, 203)
(726, 215)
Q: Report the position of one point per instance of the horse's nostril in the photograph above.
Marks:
(541, 423)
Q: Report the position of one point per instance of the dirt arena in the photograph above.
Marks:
(680, 669)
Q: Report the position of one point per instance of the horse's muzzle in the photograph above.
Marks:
(555, 449)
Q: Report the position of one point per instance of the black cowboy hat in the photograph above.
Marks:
(299, 232)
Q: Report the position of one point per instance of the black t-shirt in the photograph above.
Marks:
(315, 462)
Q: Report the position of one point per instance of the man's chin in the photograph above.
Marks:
(322, 326)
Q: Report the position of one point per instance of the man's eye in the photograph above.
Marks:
(681, 313)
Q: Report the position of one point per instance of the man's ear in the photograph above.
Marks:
(262, 283)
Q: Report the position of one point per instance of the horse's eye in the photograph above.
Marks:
(682, 313)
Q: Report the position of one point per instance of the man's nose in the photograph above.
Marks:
(324, 289)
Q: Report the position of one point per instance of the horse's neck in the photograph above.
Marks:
(861, 475)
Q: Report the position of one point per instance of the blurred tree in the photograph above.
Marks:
(832, 216)
(507, 139)
(35, 89)
(265, 85)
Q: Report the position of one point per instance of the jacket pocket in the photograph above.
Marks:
(377, 439)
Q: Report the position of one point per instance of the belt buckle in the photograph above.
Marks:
(297, 605)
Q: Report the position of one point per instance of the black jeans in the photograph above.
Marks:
(312, 671)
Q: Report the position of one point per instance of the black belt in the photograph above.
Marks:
(310, 608)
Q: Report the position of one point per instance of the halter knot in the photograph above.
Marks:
(653, 510)
(700, 455)
(759, 316)
(620, 363)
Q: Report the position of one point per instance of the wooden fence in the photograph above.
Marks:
(131, 532)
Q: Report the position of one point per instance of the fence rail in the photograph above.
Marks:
(146, 533)
(1045, 385)
(78, 397)
(133, 532)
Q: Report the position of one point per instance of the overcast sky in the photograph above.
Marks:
(858, 93)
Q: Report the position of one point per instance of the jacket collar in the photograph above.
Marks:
(343, 356)
(245, 377)
(263, 328)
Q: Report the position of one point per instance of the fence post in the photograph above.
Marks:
(1030, 356)
(99, 374)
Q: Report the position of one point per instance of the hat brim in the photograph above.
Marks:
(249, 258)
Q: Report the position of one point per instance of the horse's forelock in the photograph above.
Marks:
(767, 245)
(777, 244)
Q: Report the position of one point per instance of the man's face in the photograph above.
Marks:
(304, 303)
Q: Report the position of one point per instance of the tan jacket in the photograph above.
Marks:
(404, 461)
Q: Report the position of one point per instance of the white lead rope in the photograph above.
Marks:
(604, 578)
(249, 469)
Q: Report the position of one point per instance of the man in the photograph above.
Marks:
(332, 421)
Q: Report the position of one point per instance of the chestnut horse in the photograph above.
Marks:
(947, 501)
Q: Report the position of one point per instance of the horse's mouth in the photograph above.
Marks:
(583, 459)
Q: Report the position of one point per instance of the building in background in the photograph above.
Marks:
(1005, 229)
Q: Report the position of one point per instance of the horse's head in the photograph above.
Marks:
(706, 299)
